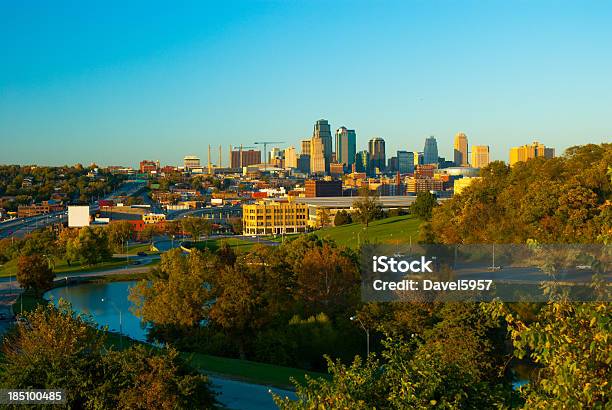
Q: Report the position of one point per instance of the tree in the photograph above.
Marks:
(342, 218)
(326, 280)
(196, 227)
(34, 273)
(149, 232)
(90, 246)
(367, 207)
(179, 296)
(423, 205)
(570, 342)
(118, 234)
(57, 347)
(323, 218)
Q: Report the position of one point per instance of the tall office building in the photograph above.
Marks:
(378, 159)
(430, 152)
(480, 156)
(461, 150)
(362, 162)
(291, 157)
(318, 164)
(405, 162)
(530, 151)
(322, 130)
(306, 147)
(346, 146)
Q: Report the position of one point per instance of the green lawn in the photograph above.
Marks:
(239, 245)
(260, 373)
(397, 229)
(61, 266)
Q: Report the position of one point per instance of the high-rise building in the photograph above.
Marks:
(480, 156)
(362, 162)
(191, 161)
(290, 157)
(419, 158)
(306, 147)
(274, 154)
(304, 164)
(376, 147)
(461, 150)
(322, 130)
(430, 151)
(530, 151)
(405, 162)
(317, 156)
(244, 158)
(346, 146)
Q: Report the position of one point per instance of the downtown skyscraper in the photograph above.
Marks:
(378, 159)
(322, 131)
(430, 151)
(461, 150)
(346, 147)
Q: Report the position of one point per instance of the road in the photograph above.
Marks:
(20, 227)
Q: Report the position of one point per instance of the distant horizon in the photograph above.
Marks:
(116, 83)
(225, 150)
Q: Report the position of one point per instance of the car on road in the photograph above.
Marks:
(136, 263)
(141, 254)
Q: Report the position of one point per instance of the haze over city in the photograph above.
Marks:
(85, 84)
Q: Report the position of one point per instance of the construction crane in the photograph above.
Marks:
(265, 145)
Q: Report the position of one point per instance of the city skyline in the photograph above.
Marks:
(160, 83)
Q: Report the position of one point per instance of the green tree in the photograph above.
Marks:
(57, 347)
(367, 207)
(179, 295)
(90, 246)
(34, 273)
(119, 233)
(342, 218)
(570, 342)
(424, 205)
(196, 227)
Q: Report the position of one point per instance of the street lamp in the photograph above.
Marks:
(120, 320)
(366, 330)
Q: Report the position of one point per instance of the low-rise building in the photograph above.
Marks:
(153, 218)
(462, 183)
(271, 217)
(319, 188)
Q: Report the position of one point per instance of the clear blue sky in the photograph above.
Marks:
(121, 81)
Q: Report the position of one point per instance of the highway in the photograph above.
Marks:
(20, 227)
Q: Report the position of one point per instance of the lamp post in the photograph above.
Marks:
(120, 320)
(367, 332)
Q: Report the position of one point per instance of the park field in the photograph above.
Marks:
(397, 229)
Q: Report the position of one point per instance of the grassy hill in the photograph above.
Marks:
(397, 229)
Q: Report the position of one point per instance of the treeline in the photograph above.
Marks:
(560, 200)
(286, 305)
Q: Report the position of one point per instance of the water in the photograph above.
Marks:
(87, 298)
(103, 302)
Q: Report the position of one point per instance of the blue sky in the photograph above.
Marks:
(116, 82)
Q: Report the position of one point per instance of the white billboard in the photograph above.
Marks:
(78, 216)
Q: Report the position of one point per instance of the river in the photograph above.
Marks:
(104, 301)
